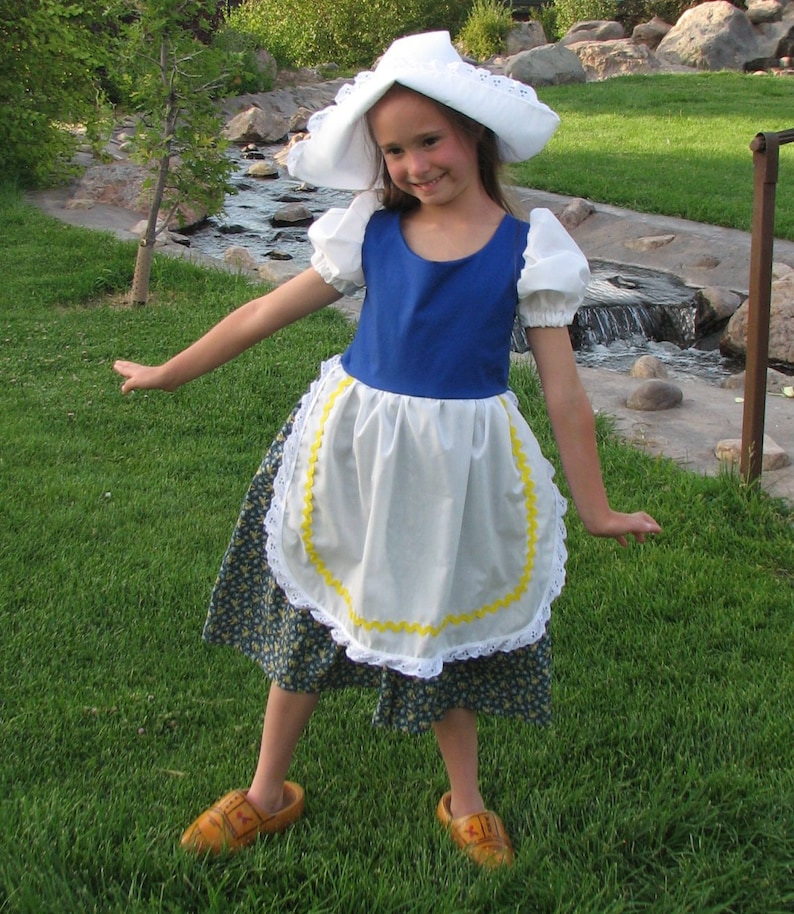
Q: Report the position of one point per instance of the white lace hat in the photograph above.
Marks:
(339, 153)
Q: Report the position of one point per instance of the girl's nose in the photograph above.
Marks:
(417, 163)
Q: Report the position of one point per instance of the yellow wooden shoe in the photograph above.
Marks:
(481, 836)
(233, 823)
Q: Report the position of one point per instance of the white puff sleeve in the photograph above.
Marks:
(337, 237)
(555, 275)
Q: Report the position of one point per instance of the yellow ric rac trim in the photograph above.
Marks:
(452, 619)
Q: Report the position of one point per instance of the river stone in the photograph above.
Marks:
(655, 395)
(239, 257)
(729, 450)
(648, 366)
(256, 126)
(292, 214)
(263, 169)
(278, 271)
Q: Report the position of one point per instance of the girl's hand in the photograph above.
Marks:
(140, 377)
(619, 526)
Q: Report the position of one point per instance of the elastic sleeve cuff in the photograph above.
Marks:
(555, 275)
(337, 237)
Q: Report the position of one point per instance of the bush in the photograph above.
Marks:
(53, 54)
(234, 56)
(633, 12)
(485, 29)
(570, 11)
(351, 33)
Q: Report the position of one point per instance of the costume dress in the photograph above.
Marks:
(404, 531)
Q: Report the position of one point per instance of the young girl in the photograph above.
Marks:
(404, 531)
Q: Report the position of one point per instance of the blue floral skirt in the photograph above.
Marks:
(249, 611)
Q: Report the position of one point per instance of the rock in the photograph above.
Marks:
(574, 213)
(649, 242)
(139, 228)
(299, 120)
(775, 381)
(593, 30)
(79, 203)
(239, 257)
(262, 169)
(729, 450)
(714, 306)
(781, 325)
(524, 36)
(648, 366)
(549, 65)
(278, 271)
(605, 59)
(713, 36)
(650, 33)
(655, 395)
(760, 11)
(116, 184)
(255, 125)
(292, 214)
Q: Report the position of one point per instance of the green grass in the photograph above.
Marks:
(664, 785)
(675, 145)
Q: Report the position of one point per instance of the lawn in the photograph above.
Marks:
(670, 144)
(664, 785)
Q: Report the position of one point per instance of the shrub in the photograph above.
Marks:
(233, 55)
(570, 11)
(633, 12)
(485, 29)
(351, 33)
(50, 68)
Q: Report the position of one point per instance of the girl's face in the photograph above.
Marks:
(426, 154)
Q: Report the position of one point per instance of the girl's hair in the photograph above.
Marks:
(489, 162)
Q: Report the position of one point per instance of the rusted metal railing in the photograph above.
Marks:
(765, 148)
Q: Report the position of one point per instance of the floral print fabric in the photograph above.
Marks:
(249, 611)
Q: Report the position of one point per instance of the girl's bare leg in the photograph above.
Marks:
(456, 733)
(286, 716)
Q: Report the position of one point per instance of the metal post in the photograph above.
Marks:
(765, 148)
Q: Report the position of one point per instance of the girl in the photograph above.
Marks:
(404, 531)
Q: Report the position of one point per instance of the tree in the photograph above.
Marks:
(53, 54)
(179, 127)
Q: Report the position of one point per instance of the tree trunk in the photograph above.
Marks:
(139, 294)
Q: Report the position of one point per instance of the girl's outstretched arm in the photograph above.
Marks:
(238, 331)
(574, 429)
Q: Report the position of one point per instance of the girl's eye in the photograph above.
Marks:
(430, 140)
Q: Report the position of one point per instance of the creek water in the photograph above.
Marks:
(627, 312)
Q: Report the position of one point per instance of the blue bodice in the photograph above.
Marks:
(436, 329)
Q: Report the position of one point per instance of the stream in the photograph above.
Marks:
(627, 312)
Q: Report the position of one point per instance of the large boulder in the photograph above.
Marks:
(651, 33)
(712, 36)
(760, 11)
(593, 30)
(524, 36)
(775, 36)
(605, 59)
(254, 125)
(549, 65)
(781, 325)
